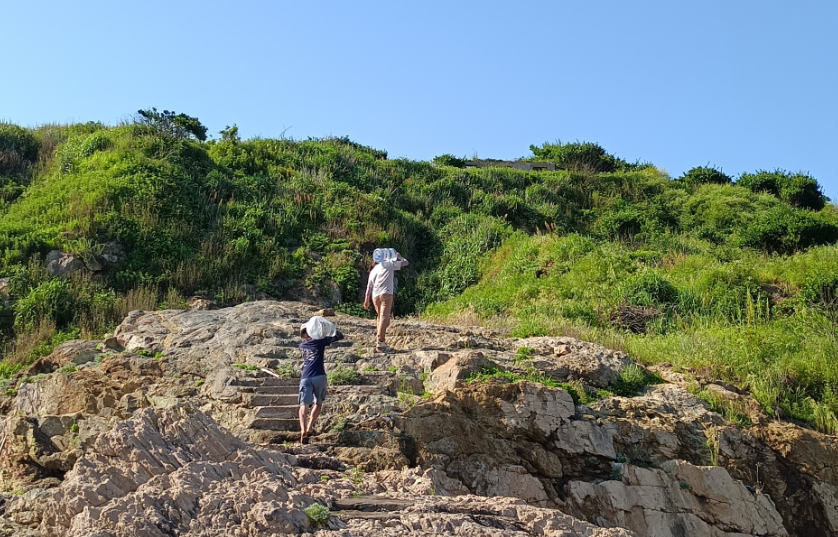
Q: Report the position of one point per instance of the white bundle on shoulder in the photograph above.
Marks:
(317, 328)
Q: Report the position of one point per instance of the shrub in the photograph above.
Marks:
(50, 300)
(715, 211)
(704, 175)
(449, 160)
(799, 189)
(625, 223)
(584, 157)
(649, 289)
(343, 375)
(169, 123)
(785, 230)
(18, 149)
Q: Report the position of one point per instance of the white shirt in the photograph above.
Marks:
(381, 277)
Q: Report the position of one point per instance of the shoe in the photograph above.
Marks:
(383, 347)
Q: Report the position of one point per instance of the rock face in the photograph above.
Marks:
(175, 472)
(171, 428)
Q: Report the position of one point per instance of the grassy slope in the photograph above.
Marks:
(741, 286)
(763, 322)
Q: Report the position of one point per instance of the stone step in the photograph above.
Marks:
(283, 411)
(276, 424)
(273, 400)
(267, 381)
(270, 390)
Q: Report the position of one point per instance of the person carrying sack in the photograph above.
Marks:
(317, 334)
(380, 290)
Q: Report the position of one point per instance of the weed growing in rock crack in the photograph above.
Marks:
(357, 475)
(393, 369)
(406, 397)
(324, 478)
(371, 368)
(67, 369)
(424, 376)
(524, 353)
(427, 395)
(632, 379)
(343, 375)
(357, 494)
(317, 514)
(247, 367)
(732, 411)
(158, 355)
(286, 371)
(143, 352)
(11, 392)
(100, 358)
(74, 428)
(712, 444)
(339, 426)
(199, 383)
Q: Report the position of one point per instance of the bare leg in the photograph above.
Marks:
(303, 423)
(315, 412)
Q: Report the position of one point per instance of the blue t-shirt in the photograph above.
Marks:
(312, 350)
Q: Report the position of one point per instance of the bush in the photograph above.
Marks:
(584, 157)
(650, 289)
(785, 230)
(799, 190)
(449, 160)
(51, 300)
(704, 175)
(342, 376)
(18, 149)
(715, 212)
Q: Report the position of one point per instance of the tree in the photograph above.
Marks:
(169, 123)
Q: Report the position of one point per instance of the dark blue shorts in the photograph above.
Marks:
(313, 390)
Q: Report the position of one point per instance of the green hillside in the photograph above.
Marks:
(736, 279)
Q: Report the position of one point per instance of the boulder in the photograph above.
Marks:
(63, 264)
(457, 368)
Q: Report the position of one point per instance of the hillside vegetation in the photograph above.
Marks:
(736, 280)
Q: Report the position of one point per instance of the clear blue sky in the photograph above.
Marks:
(740, 85)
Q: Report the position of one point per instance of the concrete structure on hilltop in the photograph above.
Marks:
(523, 165)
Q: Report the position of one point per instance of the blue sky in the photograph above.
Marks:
(740, 85)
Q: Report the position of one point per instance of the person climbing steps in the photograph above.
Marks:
(380, 292)
(317, 334)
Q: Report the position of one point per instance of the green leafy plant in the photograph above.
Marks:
(317, 514)
(632, 379)
(704, 175)
(286, 370)
(343, 376)
(524, 353)
(246, 367)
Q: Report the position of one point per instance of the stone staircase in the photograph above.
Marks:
(275, 401)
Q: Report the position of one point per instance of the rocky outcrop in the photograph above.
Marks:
(175, 472)
(168, 428)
